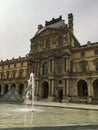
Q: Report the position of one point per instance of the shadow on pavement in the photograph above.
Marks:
(87, 127)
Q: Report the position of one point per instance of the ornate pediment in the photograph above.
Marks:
(46, 31)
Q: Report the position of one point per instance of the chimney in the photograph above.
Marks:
(70, 21)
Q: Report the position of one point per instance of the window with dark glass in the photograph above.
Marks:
(47, 44)
(82, 54)
(96, 65)
(60, 41)
(20, 74)
(45, 69)
(96, 52)
(84, 67)
(36, 45)
(8, 75)
(59, 68)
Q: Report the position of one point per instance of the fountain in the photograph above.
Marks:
(45, 118)
(30, 92)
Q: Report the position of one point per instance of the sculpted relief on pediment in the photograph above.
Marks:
(46, 32)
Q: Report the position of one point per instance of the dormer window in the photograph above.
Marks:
(48, 44)
(60, 41)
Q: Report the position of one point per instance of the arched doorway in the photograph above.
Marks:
(95, 88)
(21, 88)
(5, 88)
(82, 88)
(60, 95)
(45, 89)
(13, 85)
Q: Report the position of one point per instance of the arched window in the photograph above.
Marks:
(60, 41)
(45, 69)
(82, 88)
(48, 44)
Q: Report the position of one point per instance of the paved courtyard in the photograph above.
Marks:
(49, 116)
(69, 105)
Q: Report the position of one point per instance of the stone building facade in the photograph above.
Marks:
(64, 69)
(14, 73)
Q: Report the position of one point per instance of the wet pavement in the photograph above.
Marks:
(49, 116)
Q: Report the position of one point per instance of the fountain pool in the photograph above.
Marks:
(13, 117)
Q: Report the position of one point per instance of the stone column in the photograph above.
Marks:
(38, 68)
(64, 65)
(2, 89)
(53, 65)
(35, 87)
(40, 92)
(41, 70)
(17, 87)
(9, 86)
(50, 65)
(92, 91)
(52, 87)
(49, 92)
(90, 94)
(76, 90)
(64, 87)
(36, 93)
(67, 89)
(89, 91)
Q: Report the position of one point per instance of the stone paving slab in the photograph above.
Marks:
(69, 105)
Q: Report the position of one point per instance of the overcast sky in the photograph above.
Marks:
(19, 20)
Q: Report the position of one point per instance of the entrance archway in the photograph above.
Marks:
(45, 89)
(60, 95)
(95, 88)
(82, 88)
(13, 85)
(5, 88)
(21, 88)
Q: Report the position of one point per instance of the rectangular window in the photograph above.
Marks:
(82, 54)
(84, 67)
(59, 68)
